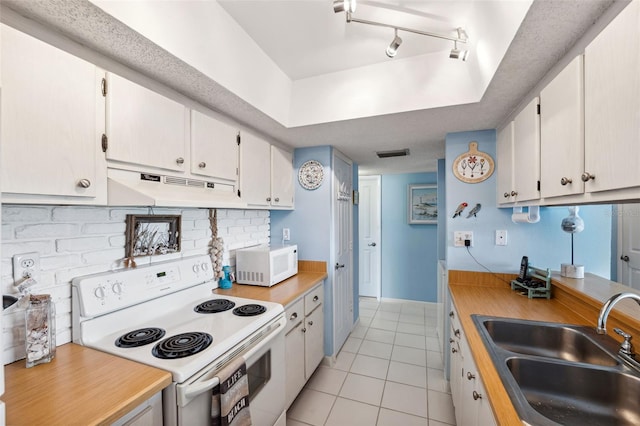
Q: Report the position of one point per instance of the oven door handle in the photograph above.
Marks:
(197, 388)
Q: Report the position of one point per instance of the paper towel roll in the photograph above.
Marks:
(520, 217)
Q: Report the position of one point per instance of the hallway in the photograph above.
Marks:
(389, 372)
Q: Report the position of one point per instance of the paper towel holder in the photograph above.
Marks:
(532, 215)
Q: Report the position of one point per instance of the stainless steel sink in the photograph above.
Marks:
(575, 395)
(568, 342)
(560, 373)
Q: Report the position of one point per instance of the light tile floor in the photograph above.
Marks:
(388, 373)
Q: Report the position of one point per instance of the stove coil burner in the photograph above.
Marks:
(214, 306)
(249, 310)
(182, 345)
(140, 337)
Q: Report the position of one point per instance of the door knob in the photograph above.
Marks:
(372, 244)
(338, 266)
(624, 258)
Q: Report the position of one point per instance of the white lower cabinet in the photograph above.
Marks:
(472, 408)
(304, 340)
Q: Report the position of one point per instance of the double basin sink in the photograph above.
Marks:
(561, 374)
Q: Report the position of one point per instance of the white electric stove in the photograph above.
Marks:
(165, 315)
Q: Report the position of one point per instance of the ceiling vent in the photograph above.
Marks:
(396, 153)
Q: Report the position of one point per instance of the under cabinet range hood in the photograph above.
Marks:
(130, 188)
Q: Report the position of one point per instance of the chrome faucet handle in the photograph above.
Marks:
(625, 347)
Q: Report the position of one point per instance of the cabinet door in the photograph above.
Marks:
(281, 178)
(294, 368)
(51, 119)
(526, 153)
(314, 341)
(612, 102)
(214, 148)
(144, 127)
(504, 151)
(562, 133)
(255, 170)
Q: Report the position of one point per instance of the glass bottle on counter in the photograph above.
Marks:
(40, 329)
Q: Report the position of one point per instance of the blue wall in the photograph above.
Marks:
(409, 252)
(544, 242)
(442, 210)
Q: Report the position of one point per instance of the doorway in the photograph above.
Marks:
(369, 235)
(629, 245)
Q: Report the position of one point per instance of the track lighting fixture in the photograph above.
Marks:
(349, 6)
(457, 53)
(392, 49)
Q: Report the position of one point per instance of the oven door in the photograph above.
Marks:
(265, 370)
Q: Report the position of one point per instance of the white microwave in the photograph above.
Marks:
(266, 266)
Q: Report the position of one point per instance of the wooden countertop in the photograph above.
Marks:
(310, 273)
(79, 386)
(574, 301)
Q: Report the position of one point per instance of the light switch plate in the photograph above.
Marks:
(460, 236)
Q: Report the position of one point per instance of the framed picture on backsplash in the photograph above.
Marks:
(150, 235)
(422, 204)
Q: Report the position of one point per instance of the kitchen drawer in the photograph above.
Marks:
(313, 299)
(294, 314)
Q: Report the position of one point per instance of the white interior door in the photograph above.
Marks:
(629, 245)
(343, 243)
(369, 236)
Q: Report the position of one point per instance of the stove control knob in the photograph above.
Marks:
(196, 268)
(117, 288)
(204, 266)
(99, 292)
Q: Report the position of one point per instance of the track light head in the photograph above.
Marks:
(392, 49)
(457, 53)
(348, 6)
(462, 34)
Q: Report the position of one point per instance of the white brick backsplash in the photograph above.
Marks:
(81, 244)
(104, 228)
(79, 214)
(11, 213)
(77, 241)
(44, 230)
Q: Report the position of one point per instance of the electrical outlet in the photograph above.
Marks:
(460, 236)
(26, 265)
(501, 237)
(286, 234)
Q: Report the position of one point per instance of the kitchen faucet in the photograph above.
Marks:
(608, 305)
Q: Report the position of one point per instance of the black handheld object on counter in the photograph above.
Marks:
(524, 265)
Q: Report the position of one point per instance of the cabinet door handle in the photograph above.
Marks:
(514, 193)
(310, 323)
(457, 332)
(304, 330)
(202, 165)
(565, 180)
(451, 314)
(586, 177)
(84, 183)
(269, 199)
(454, 350)
(179, 160)
(470, 376)
(293, 316)
(315, 298)
(277, 200)
(476, 396)
(506, 195)
(451, 340)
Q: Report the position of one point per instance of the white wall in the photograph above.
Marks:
(77, 241)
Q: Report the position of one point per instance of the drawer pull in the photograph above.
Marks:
(454, 350)
(451, 314)
(293, 316)
(315, 298)
(476, 396)
(470, 376)
(457, 332)
(310, 323)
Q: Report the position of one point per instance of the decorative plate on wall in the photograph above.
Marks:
(311, 174)
(473, 166)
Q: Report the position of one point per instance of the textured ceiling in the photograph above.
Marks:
(549, 30)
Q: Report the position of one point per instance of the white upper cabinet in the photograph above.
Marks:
(562, 132)
(266, 174)
(281, 178)
(504, 169)
(144, 127)
(255, 170)
(52, 124)
(214, 148)
(612, 104)
(526, 153)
